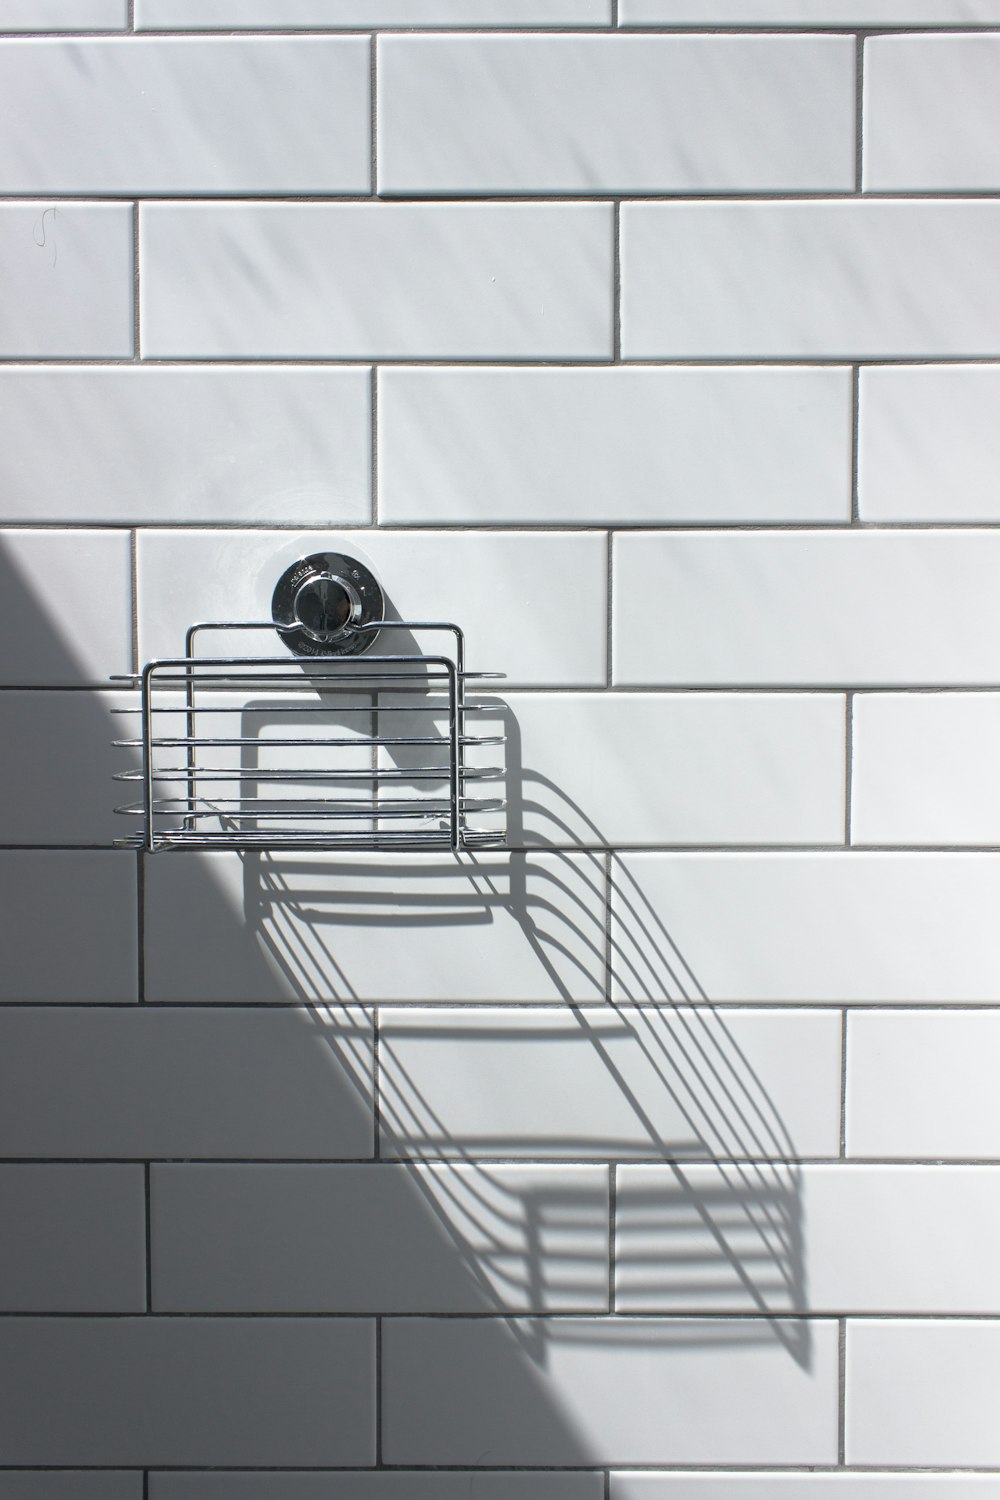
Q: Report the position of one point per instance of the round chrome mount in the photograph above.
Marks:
(321, 600)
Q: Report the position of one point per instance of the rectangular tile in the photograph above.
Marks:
(827, 927)
(63, 15)
(521, 280)
(663, 768)
(931, 113)
(51, 1484)
(857, 279)
(221, 96)
(607, 1390)
(804, 12)
(817, 1486)
(929, 443)
(151, 1082)
(379, 1239)
(190, 15)
(630, 1083)
(613, 447)
(382, 1485)
(688, 114)
(74, 1239)
(89, 899)
(923, 1085)
(949, 1372)
(66, 271)
(279, 445)
(56, 628)
(57, 760)
(857, 608)
(835, 1239)
(188, 1390)
(367, 928)
(925, 768)
(490, 585)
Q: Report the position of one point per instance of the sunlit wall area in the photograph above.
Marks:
(651, 1152)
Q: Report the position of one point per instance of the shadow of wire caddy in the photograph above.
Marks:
(326, 761)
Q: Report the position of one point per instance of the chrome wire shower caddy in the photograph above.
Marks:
(319, 749)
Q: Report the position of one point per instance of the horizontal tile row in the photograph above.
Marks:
(571, 1391)
(193, 15)
(477, 115)
(52, 1484)
(138, 116)
(789, 928)
(383, 1484)
(783, 1486)
(522, 447)
(849, 280)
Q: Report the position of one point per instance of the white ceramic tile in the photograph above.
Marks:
(65, 607)
(63, 15)
(835, 1239)
(854, 608)
(818, 1486)
(805, 13)
(188, 1390)
(521, 280)
(656, 1083)
(144, 1081)
(828, 927)
(74, 1239)
(66, 276)
(373, 927)
(659, 768)
(369, 1484)
(189, 15)
(492, 586)
(619, 1391)
(141, 444)
(923, 1393)
(213, 115)
(57, 763)
(379, 1238)
(931, 114)
(615, 446)
(637, 115)
(51, 1484)
(924, 769)
(88, 898)
(929, 443)
(855, 279)
(923, 1085)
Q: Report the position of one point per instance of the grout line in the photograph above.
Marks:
(612, 1236)
(609, 605)
(140, 927)
(541, 1163)
(373, 110)
(842, 1392)
(374, 445)
(848, 766)
(855, 444)
(145, 1484)
(136, 300)
(130, 19)
(378, 1391)
(843, 1084)
(149, 1239)
(859, 104)
(134, 585)
(616, 293)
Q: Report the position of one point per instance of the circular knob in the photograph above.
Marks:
(323, 603)
(325, 606)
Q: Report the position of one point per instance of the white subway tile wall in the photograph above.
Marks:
(654, 1156)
